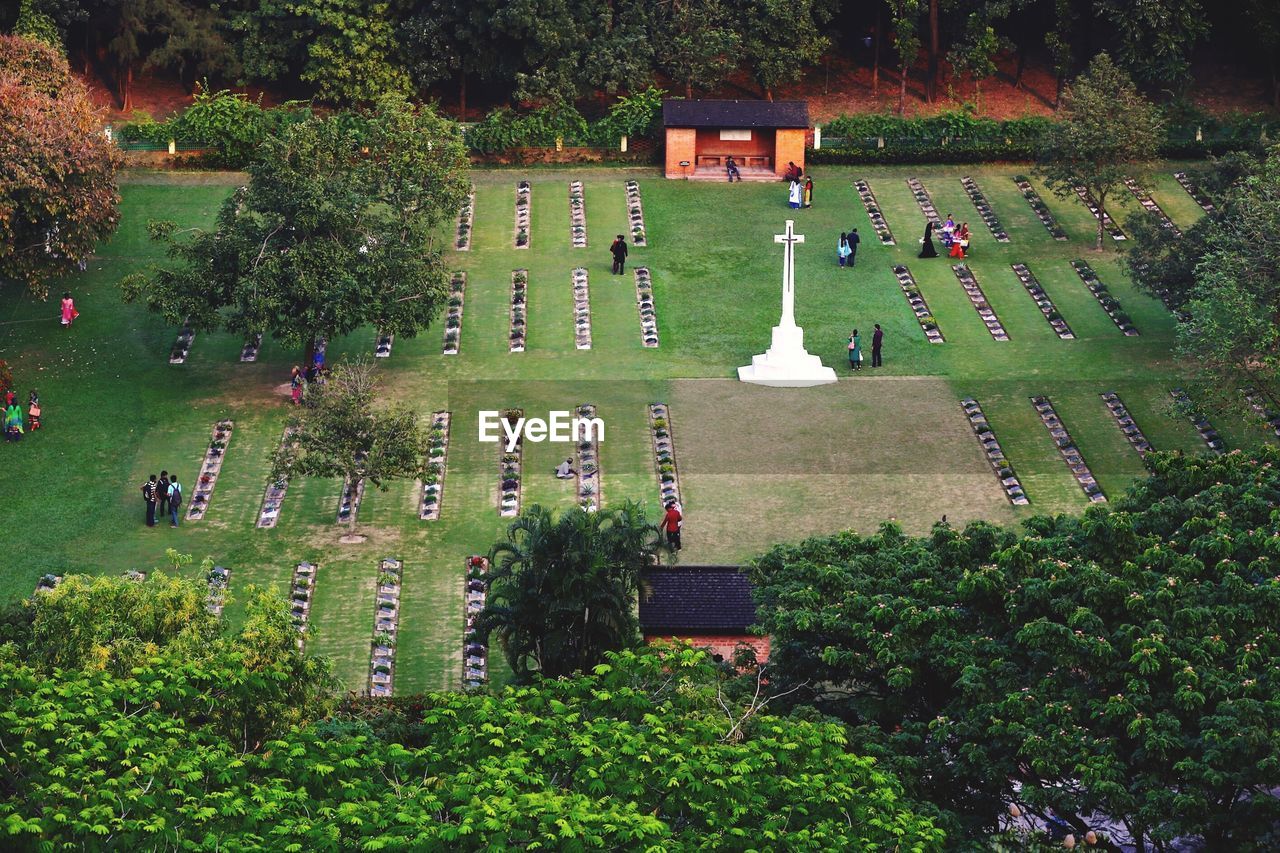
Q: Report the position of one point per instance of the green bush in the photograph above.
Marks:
(230, 125)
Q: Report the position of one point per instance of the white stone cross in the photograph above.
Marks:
(789, 240)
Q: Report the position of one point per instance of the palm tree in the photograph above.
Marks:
(562, 591)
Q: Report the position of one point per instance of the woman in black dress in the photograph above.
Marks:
(926, 245)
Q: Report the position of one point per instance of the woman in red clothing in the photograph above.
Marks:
(69, 312)
(961, 242)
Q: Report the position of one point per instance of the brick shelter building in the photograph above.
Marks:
(762, 136)
(710, 606)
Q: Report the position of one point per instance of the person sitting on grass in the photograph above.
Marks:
(13, 423)
(564, 471)
(793, 172)
(732, 168)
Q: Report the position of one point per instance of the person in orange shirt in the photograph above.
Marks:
(671, 525)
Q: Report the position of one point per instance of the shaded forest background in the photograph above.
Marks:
(1002, 57)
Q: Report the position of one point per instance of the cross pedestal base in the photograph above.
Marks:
(786, 364)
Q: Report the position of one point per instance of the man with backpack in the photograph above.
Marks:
(149, 494)
(175, 499)
(162, 494)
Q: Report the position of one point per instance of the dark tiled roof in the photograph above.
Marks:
(730, 114)
(696, 600)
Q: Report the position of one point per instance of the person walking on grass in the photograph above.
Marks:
(854, 240)
(671, 524)
(69, 312)
(842, 249)
(619, 251)
(877, 337)
(175, 500)
(149, 497)
(855, 351)
(808, 191)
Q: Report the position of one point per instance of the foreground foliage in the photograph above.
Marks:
(1122, 663)
(641, 752)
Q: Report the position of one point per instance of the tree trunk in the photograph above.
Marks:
(462, 96)
(1057, 94)
(768, 93)
(688, 90)
(931, 82)
(902, 92)
(1022, 66)
(875, 61)
(126, 89)
(1102, 211)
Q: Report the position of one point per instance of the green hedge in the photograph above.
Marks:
(959, 137)
(634, 116)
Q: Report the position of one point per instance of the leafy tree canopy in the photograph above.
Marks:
(343, 433)
(647, 750)
(58, 194)
(1122, 663)
(333, 232)
(1108, 132)
(562, 590)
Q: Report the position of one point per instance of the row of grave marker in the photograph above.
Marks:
(522, 233)
(1071, 454)
(383, 343)
(987, 213)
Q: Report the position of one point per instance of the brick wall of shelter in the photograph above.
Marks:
(682, 145)
(790, 148)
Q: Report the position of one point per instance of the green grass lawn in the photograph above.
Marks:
(757, 465)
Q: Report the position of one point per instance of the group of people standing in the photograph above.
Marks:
(300, 380)
(847, 247)
(14, 427)
(855, 348)
(954, 240)
(164, 492)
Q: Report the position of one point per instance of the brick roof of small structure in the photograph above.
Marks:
(696, 600)
(733, 114)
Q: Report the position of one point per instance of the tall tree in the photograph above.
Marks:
(180, 35)
(562, 590)
(1154, 39)
(1119, 664)
(344, 433)
(1234, 301)
(353, 56)
(1059, 41)
(1264, 26)
(697, 42)
(58, 195)
(780, 37)
(1108, 132)
(334, 231)
(974, 54)
(905, 15)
